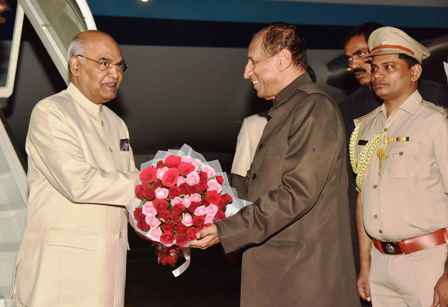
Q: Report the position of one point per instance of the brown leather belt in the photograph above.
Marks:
(411, 245)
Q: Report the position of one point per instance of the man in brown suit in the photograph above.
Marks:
(296, 235)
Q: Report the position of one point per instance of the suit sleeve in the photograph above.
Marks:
(54, 150)
(315, 140)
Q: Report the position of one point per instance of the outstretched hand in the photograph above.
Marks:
(207, 237)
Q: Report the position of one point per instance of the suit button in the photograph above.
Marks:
(254, 176)
(260, 146)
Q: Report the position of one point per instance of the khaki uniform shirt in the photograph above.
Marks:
(406, 194)
(81, 175)
(248, 139)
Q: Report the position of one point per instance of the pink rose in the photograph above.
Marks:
(152, 221)
(161, 172)
(162, 193)
(177, 200)
(209, 170)
(196, 197)
(213, 185)
(154, 234)
(149, 210)
(200, 211)
(192, 178)
(187, 220)
(186, 159)
(180, 180)
(211, 210)
(186, 202)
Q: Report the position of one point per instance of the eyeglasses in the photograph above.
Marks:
(106, 64)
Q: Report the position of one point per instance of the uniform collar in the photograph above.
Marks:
(286, 93)
(410, 105)
(89, 106)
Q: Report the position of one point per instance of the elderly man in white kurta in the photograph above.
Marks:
(81, 176)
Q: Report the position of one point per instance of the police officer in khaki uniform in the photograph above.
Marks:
(399, 152)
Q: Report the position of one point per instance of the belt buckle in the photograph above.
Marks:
(391, 248)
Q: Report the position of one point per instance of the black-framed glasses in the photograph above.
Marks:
(106, 64)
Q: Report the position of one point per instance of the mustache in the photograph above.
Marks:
(358, 70)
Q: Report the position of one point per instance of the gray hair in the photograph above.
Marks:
(75, 48)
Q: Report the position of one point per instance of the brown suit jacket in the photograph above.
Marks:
(297, 233)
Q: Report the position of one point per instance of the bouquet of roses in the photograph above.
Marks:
(180, 193)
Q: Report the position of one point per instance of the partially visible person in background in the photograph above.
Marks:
(248, 138)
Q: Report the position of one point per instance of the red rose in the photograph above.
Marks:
(212, 197)
(148, 174)
(138, 213)
(181, 240)
(185, 188)
(168, 259)
(203, 177)
(148, 191)
(220, 179)
(219, 216)
(142, 225)
(169, 179)
(160, 204)
(139, 191)
(181, 229)
(177, 210)
(164, 214)
(191, 233)
(202, 187)
(193, 206)
(168, 227)
(225, 199)
(167, 238)
(174, 192)
(172, 161)
(198, 221)
(185, 168)
(160, 164)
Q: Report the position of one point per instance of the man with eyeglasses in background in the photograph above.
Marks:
(363, 99)
(81, 176)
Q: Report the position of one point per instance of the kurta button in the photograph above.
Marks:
(254, 176)
(401, 153)
(380, 231)
(110, 149)
(375, 186)
(260, 146)
(375, 216)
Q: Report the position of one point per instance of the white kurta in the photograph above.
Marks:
(247, 142)
(80, 178)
